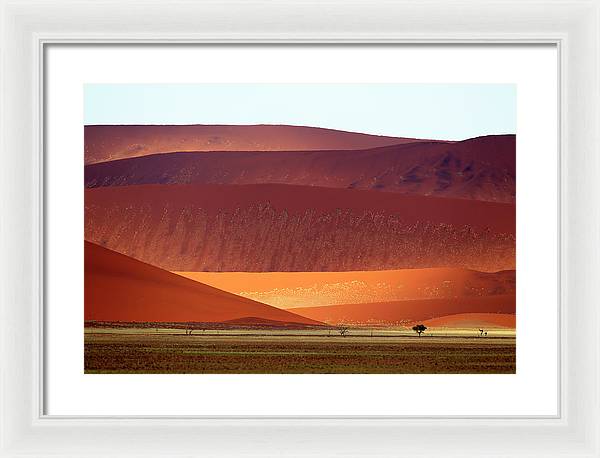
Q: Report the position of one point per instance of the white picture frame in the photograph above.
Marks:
(27, 27)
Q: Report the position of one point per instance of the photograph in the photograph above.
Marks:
(300, 228)
(290, 229)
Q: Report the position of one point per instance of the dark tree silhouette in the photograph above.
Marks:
(343, 330)
(419, 329)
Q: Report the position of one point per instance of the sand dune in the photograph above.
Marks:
(474, 320)
(309, 289)
(295, 199)
(119, 288)
(282, 228)
(105, 143)
(481, 168)
(402, 312)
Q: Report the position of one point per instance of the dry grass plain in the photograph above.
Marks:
(170, 351)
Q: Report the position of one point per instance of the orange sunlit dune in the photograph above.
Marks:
(310, 289)
(120, 288)
(474, 320)
(399, 312)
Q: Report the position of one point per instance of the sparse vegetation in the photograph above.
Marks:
(419, 329)
(226, 352)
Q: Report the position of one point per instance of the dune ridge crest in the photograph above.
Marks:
(110, 142)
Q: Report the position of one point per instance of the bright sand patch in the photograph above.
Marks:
(311, 289)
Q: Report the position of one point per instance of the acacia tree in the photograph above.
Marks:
(343, 330)
(419, 329)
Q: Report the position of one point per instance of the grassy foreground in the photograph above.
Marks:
(287, 352)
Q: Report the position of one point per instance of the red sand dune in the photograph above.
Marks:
(481, 168)
(105, 143)
(474, 320)
(386, 313)
(213, 199)
(277, 228)
(308, 289)
(119, 288)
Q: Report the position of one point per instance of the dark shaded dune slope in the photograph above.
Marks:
(481, 168)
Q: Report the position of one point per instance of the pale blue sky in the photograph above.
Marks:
(437, 111)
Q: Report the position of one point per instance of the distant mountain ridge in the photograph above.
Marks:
(482, 168)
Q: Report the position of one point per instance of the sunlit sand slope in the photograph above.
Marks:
(119, 288)
(390, 313)
(309, 289)
(474, 320)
